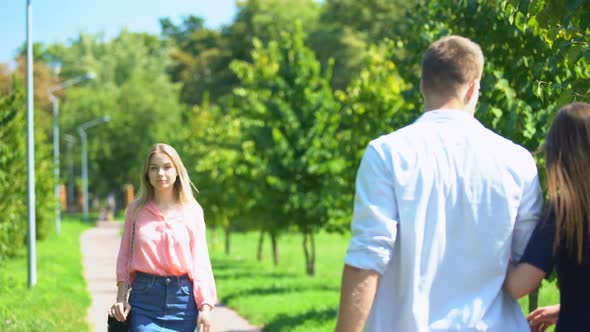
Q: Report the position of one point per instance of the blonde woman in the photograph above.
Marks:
(562, 241)
(173, 288)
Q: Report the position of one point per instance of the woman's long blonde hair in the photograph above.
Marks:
(182, 186)
(567, 151)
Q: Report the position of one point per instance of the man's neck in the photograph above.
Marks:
(450, 104)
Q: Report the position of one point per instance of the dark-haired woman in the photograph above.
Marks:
(562, 240)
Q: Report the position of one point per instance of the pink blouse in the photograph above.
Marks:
(169, 246)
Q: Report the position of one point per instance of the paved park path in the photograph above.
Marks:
(99, 251)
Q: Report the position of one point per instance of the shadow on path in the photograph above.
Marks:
(287, 322)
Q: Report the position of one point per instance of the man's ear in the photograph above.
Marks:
(421, 88)
(472, 89)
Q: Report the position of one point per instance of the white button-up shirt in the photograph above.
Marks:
(440, 208)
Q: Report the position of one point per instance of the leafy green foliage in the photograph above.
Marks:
(285, 103)
(513, 71)
(372, 105)
(131, 86)
(200, 60)
(343, 49)
(376, 18)
(12, 159)
(213, 156)
(13, 177)
(266, 20)
(282, 97)
(565, 27)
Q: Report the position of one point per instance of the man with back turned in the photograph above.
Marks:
(441, 206)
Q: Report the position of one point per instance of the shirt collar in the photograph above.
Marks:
(444, 115)
(153, 208)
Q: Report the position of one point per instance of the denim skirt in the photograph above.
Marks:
(163, 304)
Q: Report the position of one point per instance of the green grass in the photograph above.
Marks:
(59, 301)
(283, 298)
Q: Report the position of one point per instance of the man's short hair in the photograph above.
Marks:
(450, 63)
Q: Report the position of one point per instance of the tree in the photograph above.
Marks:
(13, 176)
(13, 163)
(266, 20)
(344, 47)
(565, 27)
(212, 148)
(286, 102)
(372, 105)
(131, 86)
(376, 18)
(199, 59)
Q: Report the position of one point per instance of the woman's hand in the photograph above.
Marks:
(543, 317)
(204, 320)
(120, 310)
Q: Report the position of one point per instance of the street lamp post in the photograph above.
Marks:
(55, 102)
(31, 234)
(83, 138)
(70, 140)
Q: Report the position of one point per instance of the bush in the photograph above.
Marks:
(12, 174)
(13, 177)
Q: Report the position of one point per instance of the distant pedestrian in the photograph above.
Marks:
(111, 206)
(102, 214)
(172, 284)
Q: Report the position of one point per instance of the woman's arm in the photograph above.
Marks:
(523, 278)
(537, 261)
(205, 290)
(125, 245)
(204, 287)
(121, 308)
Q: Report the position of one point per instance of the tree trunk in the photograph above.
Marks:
(213, 237)
(260, 242)
(275, 248)
(533, 300)
(309, 251)
(312, 263)
(227, 240)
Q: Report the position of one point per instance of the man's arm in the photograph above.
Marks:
(529, 211)
(356, 298)
(374, 230)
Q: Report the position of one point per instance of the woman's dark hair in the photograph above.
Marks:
(567, 152)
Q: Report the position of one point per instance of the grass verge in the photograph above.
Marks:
(59, 301)
(284, 298)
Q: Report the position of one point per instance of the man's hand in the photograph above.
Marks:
(356, 298)
(204, 320)
(543, 317)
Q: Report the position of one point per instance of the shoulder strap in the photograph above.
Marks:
(133, 219)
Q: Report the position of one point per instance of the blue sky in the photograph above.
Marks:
(61, 20)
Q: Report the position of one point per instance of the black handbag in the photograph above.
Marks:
(113, 325)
